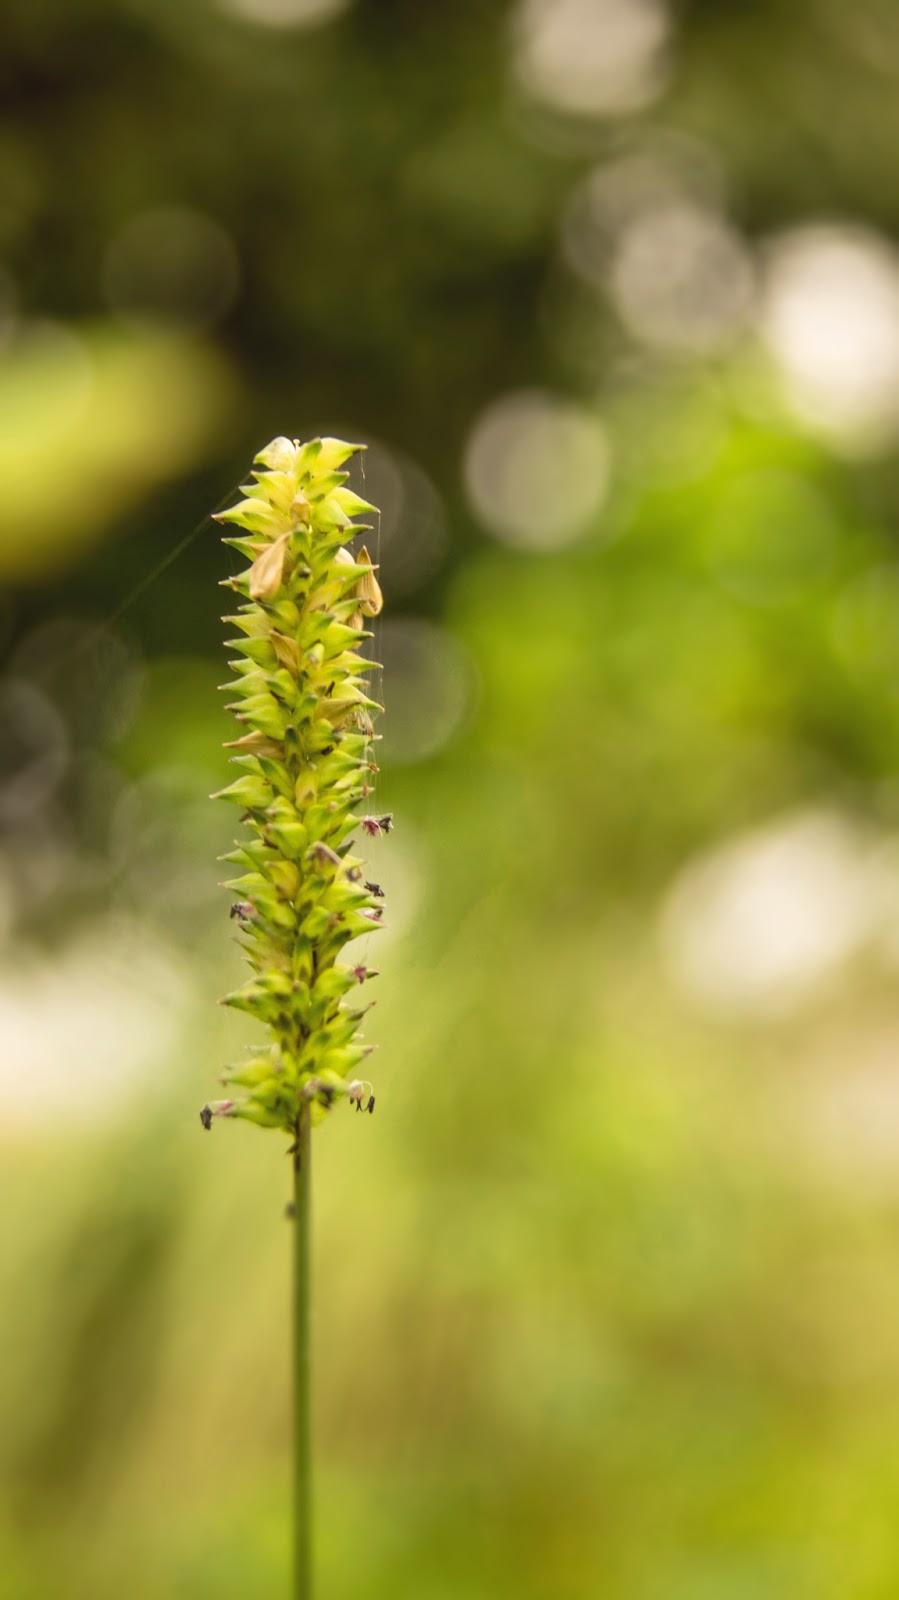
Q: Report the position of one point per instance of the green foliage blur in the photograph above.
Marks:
(607, 1300)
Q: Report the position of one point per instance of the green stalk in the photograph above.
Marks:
(302, 1391)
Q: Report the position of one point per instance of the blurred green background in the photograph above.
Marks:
(608, 1289)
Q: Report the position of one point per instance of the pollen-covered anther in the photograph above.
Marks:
(217, 1108)
(375, 825)
(361, 1095)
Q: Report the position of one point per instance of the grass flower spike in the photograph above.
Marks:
(304, 750)
(299, 694)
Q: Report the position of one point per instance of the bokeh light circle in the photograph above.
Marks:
(592, 57)
(681, 278)
(754, 927)
(830, 316)
(34, 750)
(285, 13)
(537, 469)
(429, 683)
(620, 191)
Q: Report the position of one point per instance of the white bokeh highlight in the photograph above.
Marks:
(830, 317)
(86, 1029)
(537, 469)
(649, 231)
(755, 928)
(592, 57)
(681, 278)
(285, 13)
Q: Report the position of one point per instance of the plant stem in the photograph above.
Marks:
(302, 1234)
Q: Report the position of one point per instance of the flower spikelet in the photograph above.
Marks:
(303, 749)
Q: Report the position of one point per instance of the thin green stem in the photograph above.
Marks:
(302, 1234)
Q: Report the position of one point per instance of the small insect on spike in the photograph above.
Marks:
(206, 1117)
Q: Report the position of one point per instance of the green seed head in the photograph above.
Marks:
(304, 753)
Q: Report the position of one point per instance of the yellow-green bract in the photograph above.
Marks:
(300, 696)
